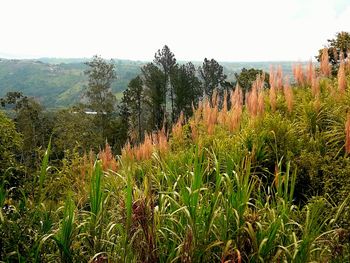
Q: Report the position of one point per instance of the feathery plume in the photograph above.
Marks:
(235, 113)
(223, 113)
(255, 98)
(107, 159)
(341, 76)
(310, 72)
(127, 151)
(273, 98)
(252, 101)
(272, 79)
(261, 105)
(288, 94)
(162, 141)
(236, 97)
(194, 122)
(214, 98)
(298, 74)
(279, 78)
(325, 67)
(177, 128)
(272, 91)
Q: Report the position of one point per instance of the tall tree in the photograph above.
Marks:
(212, 75)
(187, 88)
(166, 59)
(133, 98)
(101, 75)
(155, 92)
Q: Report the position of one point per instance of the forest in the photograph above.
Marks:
(188, 165)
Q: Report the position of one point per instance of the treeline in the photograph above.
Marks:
(165, 88)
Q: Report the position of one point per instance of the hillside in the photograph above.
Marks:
(56, 82)
(59, 82)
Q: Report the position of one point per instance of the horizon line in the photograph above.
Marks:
(11, 57)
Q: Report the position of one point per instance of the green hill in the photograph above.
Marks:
(59, 82)
(56, 84)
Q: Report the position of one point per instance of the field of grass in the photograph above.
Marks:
(262, 181)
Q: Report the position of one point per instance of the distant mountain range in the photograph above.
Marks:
(59, 82)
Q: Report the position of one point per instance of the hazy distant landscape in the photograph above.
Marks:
(59, 82)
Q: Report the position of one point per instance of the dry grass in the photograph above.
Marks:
(342, 77)
(107, 159)
(143, 151)
(211, 113)
(325, 66)
(261, 104)
(272, 91)
(235, 113)
(273, 98)
(127, 152)
(255, 98)
(310, 73)
(298, 74)
(222, 118)
(160, 140)
(279, 78)
(252, 101)
(177, 130)
(288, 94)
(208, 115)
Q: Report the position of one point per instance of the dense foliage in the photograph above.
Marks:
(255, 177)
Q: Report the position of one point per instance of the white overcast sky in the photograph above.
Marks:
(235, 30)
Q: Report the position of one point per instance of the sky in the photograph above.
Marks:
(226, 30)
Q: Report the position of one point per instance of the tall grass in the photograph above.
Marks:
(65, 236)
(96, 213)
(43, 172)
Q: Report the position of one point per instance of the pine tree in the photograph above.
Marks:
(101, 75)
(212, 75)
(133, 98)
(187, 89)
(166, 60)
(155, 94)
